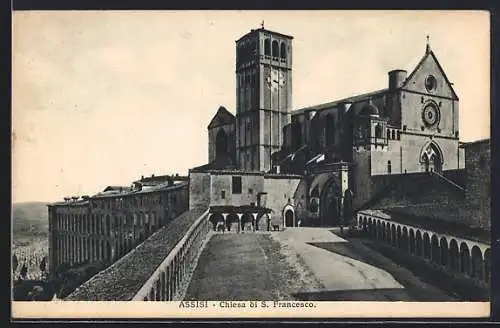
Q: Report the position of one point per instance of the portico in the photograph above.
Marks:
(239, 219)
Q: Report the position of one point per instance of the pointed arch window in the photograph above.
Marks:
(431, 158)
(330, 129)
(220, 143)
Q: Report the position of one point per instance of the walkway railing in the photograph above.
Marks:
(172, 276)
(457, 255)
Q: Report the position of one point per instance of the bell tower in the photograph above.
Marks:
(263, 96)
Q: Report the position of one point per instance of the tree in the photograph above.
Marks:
(15, 263)
(24, 272)
(43, 264)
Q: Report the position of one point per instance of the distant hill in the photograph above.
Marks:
(30, 218)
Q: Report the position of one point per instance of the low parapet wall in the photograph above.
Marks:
(171, 278)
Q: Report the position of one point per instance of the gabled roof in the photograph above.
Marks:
(220, 163)
(429, 52)
(116, 188)
(222, 117)
(348, 100)
(375, 94)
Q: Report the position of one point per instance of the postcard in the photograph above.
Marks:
(251, 164)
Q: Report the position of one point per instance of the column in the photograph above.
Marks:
(239, 222)
(165, 283)
(77, 246)
(254, 223)
(224, 215)
(169, 283)
(65, 247)
(70, 252)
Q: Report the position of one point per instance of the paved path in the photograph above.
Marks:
(335, 271)
(301, 263)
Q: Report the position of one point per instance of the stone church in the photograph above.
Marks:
(339, 149)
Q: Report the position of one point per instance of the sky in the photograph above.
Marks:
(103, 97)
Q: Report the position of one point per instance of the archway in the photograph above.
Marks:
(418, 243)
(398, 230)
(443, 246)
(379, 231)
(246, 222)
(412, 241)
(393, 235)
(405, 245)
(435, 253)
(477, 263)
(388, 236)
(454, 256)
(487, 265)
(431, 158)
(289, 218)
(232, 222)
(217, 221)
(383, 233)
(330, 208)
(427, 246)
(464, 259)
(220, 143)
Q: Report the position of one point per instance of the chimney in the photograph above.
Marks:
(396, 78)
(142, 177)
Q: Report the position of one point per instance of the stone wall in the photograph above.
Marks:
(222, 193)
(280, 192)
(199, 190)
(478, 181)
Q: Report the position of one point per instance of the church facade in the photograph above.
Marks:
(339, 151)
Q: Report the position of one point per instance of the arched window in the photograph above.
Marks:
(220, 143)
(389, 167)
(378, 131)
(330, 129)
(267, 47)
(297, 135)
(283, 50)
(431, 158)
(275, 49)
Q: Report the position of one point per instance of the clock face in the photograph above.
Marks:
(276, 78)
(430, 115)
